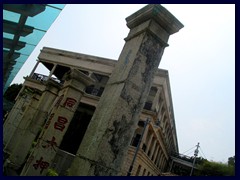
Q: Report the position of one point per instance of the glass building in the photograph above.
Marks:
(24, 25)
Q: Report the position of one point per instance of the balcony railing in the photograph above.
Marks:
(41, 77)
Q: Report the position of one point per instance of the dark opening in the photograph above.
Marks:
(94, 91)
(136, 140)
(148, 106)
(77, 128)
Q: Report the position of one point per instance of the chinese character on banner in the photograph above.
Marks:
(41, 164)
(60, 124)
(52, 143)
(69, 103)
(59, 101)
(49, 121)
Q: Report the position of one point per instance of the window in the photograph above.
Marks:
(138, 170)
(144, 147)
(136, 140)
(144, 171)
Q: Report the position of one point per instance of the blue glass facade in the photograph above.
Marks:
(24, 25)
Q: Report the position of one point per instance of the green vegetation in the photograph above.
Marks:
(52, 172)
(12, 92)
(9, 98)
(211, 168)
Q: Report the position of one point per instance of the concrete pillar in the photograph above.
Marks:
(156, 99)
(153, 147)
(15, 116)
(30, 126)
(155, 154)
(51, 72)
(163, 163)
(144, 137)
(161, 160)
(162, 118)
(105, 144)
(35, 67)
(158, 157)
(52, 134)
(25, 119)
(149, 142)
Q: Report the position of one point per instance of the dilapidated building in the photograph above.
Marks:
(58, 116)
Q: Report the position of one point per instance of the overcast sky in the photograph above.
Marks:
(200, 60)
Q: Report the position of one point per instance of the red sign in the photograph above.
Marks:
(41, 164)
(52, 143)
(60, 124)
(69, 103)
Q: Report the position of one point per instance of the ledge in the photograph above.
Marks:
(158, 13)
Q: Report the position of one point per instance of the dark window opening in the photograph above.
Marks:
(144, 171)
(148, 106)
(141, 123)
(149, 153)
(136, 140)
(144, 147)
(94, 91)
(77, 128)
(98, 77)
(138, 170)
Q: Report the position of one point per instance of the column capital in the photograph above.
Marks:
(155, 20)
(79, 76)
(52, 86)
(158, 13)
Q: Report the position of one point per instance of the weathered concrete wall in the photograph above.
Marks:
(15, 116)
(25, 120)
(62, 162)
(30, 126)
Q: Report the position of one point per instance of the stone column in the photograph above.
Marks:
(149, 143)
(52, 71)
(47, 145)
(105, 144)
(35, 67)
(158, 157)
(155, 154)
(144, 137)
(15, 116)
(30, 126)
(160, 160)
(153, 148)
(27, 115)
(156, 99)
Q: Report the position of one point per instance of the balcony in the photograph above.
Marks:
(41, 77)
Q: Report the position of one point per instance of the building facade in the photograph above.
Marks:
(93, 116)
(41, 94)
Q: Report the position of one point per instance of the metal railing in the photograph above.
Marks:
(41, 77)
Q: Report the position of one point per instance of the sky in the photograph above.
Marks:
(200, 60)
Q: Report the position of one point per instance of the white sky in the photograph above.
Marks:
(200, 60)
